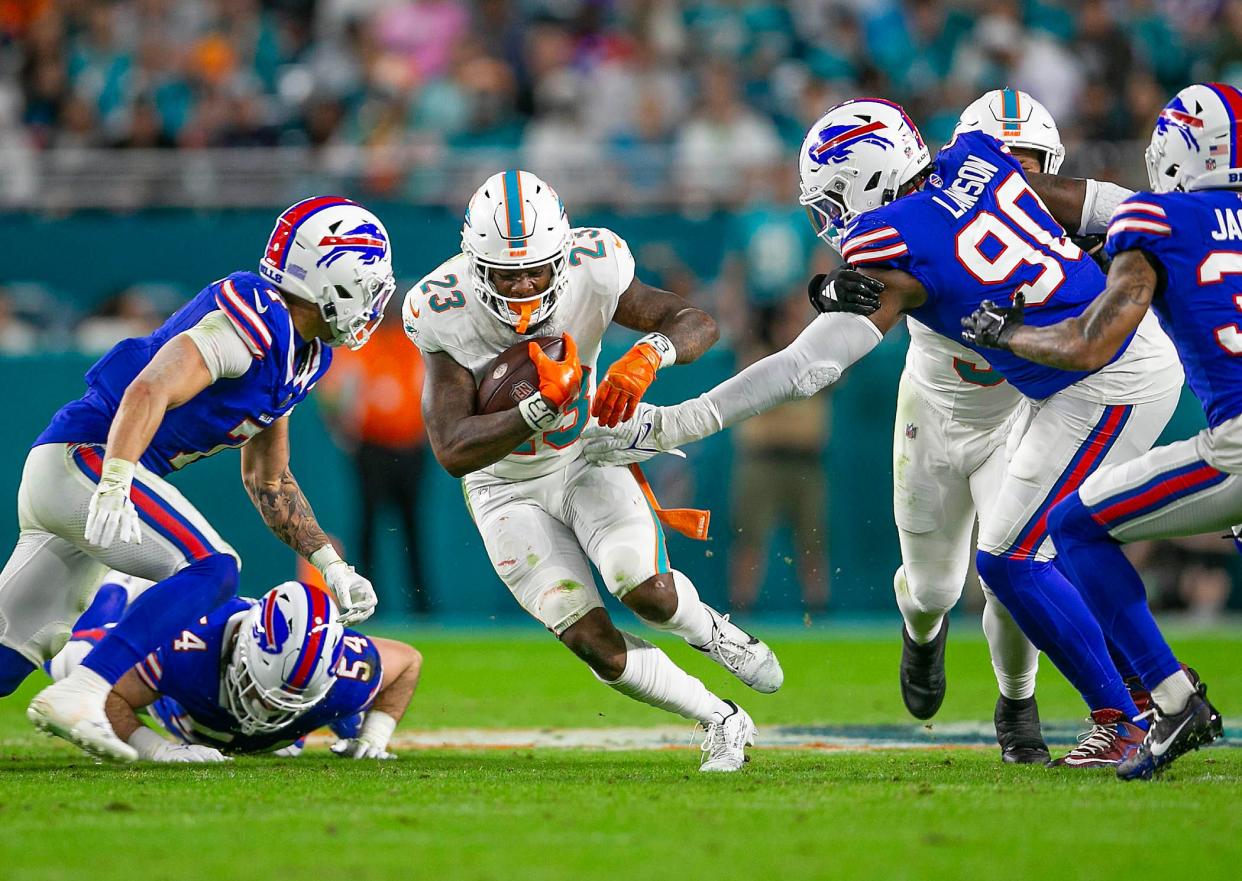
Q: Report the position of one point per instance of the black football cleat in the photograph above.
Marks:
(1171, 736)
(1018, 733)
(922, 672)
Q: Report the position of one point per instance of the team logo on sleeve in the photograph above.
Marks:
(1175, 117)
(837, 142)
(366, 240)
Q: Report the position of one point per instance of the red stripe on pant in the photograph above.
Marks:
(1097, 444)
(1175, 486)
(155, 508)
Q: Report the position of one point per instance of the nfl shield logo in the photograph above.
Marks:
(912, 430)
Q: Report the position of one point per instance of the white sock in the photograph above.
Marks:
(1014, 660)
(651, 677)
(923, 626)
(691, 621)
(1173, 692)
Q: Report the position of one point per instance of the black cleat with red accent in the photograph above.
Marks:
(1172, 735)
(1111, 740)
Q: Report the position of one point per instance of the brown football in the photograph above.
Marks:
(511, 375)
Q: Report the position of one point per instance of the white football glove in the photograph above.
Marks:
(650, 431)
(355, 597)
(111, 514)
(354, 594)
(372, 739)
(357, 748)
(153, 748)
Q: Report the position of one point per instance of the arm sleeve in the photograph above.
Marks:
(1098, 205)
(225, 353)
(815, 360)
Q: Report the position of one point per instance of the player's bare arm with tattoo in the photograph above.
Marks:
(284, 508)
(1086, 342)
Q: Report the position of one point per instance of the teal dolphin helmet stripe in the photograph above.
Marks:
(514, 209)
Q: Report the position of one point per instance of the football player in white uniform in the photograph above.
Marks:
(544, 513)
(954, 415)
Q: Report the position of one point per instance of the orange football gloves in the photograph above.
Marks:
(629, 378)
(559, 381)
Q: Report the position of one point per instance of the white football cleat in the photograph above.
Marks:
(724, 744)
(745, 656)
(69, 710)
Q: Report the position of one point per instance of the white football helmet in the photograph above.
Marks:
(284, 659)
(857, 157)
(1020, 121)
(516, 221)
(1197, 143)
(335, 254)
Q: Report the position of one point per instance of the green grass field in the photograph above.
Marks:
(584, 814)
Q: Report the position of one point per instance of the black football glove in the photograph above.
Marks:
(991, 325)
(844, 290)
(1093, 247)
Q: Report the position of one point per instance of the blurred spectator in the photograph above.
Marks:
(723, 141)
(374, 398)
(129, 313)
(778, 477)
(16, 336)
(1192, 575)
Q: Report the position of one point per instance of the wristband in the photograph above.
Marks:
(147, 743)
(117, 472)
(325, 557)
(538, 415)
(663, 347)
(377, 729)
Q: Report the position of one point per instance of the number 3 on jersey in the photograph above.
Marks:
(992, 248)
(1214, 269)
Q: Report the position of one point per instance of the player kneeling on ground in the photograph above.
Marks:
(544, 513)
(254, 676)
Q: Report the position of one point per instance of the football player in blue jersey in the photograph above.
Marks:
(225, 371)
(1178, 252)
(940, 238)
(254, 676)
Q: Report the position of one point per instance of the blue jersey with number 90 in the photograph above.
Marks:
(975, 232)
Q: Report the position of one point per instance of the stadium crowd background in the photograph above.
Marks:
(642, 110)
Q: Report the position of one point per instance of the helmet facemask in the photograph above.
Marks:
(524, 313)
(351, 319)
(265, 708)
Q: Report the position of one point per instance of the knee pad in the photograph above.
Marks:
(14, 668)
(1070, 519)
(564, 603)
(927, 595)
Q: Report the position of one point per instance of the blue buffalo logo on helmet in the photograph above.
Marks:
(273, 629)
(1175, 117)
(366, 240)
(836, 143)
